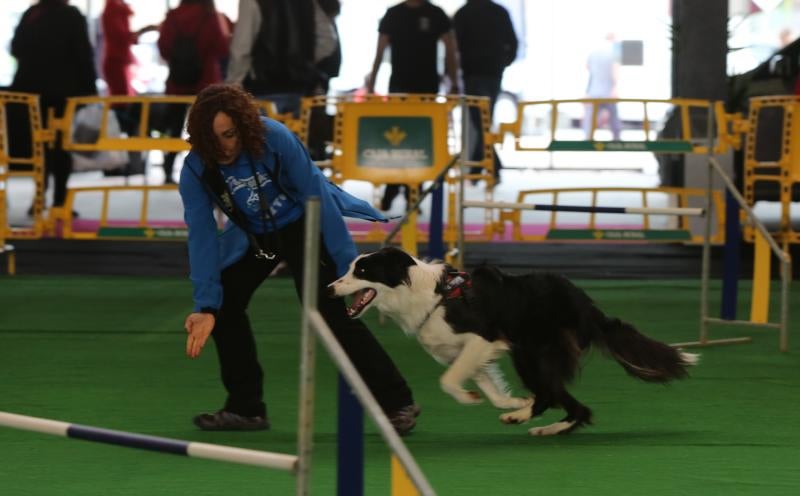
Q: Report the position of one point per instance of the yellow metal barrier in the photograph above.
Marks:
(552, 140)
(772, 159)
(143, 140)
(678, 197)
(142, 229)
(402, 139)
(28, 166)
(759, 304)
(345, 164)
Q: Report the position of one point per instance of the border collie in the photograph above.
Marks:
(467, 320)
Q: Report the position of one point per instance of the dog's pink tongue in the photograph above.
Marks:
(360, 299)
(355, 306)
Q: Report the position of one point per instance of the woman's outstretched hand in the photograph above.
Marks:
(198, 326)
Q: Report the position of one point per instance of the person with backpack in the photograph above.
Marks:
(260, 176)
(283, 50)
(194, 40)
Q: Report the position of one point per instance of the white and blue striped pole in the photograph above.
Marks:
(230, 454)
(588, 209)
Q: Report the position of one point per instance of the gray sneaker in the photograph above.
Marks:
(228, 421)
(404, 419)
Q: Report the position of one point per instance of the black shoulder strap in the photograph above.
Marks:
(215, 185)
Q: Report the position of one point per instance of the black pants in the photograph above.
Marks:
(242, 374)
(57, 161)
(128, 116)
(482, 85)
(173, 126)
(389, 194)
(392, 189)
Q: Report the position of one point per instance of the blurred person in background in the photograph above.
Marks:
(55, 60)
(413, 30)
(603, 67)
(194, 39)
(283, 50)
(487, 45)
(117, 57)
(116, 66)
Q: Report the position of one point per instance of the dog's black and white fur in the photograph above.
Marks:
(543, 320)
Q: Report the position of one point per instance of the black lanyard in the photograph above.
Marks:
(215, 184)
(266, 211)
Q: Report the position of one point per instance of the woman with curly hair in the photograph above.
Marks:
(260, 175)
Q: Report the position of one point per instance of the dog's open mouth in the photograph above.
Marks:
(361, 300)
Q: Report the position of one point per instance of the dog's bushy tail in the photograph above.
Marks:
(642, 357)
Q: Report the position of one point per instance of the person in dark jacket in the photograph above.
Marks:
(487, 44)
(54, 60)
(260, 175)
(283, 50)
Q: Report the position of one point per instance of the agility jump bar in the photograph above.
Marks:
(588, 209)
(217, 452)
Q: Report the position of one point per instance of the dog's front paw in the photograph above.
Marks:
(516, 403)
(519, 416)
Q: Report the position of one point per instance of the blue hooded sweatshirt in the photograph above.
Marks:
(286, 160)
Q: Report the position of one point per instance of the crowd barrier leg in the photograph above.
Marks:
(759, 306)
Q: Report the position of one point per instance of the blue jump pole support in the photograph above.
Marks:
(350, 451)
(436, 227)
(730, 272)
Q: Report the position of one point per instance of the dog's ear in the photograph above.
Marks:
(390, 266)
(400, 268)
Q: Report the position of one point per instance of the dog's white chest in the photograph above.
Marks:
(440, 341)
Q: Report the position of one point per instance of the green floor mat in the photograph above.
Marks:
(109, 352)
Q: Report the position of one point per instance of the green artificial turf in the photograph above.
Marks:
(109, 352)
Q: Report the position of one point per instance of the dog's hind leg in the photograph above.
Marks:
(491, 381)
(469, 362)
(577, 415)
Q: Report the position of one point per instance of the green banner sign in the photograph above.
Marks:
(620, 234)
(395, 142)
(621, 146)
(143, 232)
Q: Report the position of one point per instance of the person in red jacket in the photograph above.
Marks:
(196, 35)
(116, 65)
(117, 57)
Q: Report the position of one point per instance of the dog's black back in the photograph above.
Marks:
(520, 308)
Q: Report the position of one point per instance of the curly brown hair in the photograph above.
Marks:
(240, 106)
